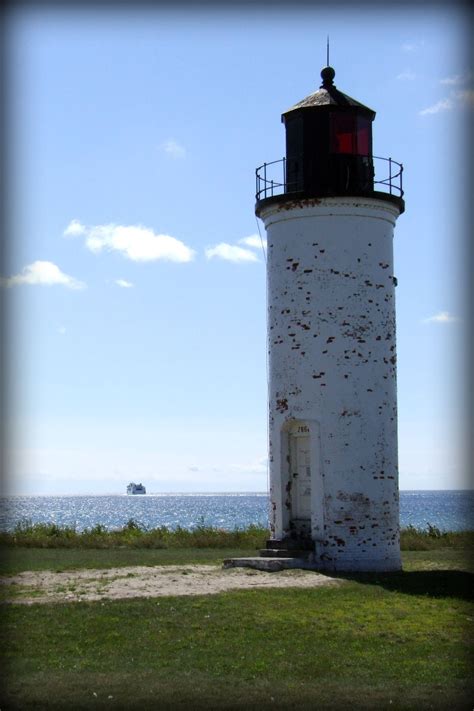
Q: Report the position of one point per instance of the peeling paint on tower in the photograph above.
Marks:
(332, 354)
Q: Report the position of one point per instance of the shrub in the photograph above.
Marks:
(417, 539)
(135, 535)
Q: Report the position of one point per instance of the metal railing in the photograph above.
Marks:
(271, 178)
(393, 187)
(266, 187)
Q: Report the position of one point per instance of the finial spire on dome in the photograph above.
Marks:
(327, 75)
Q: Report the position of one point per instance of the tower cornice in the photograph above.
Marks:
(289, 201)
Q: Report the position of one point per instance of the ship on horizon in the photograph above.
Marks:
(133, 488)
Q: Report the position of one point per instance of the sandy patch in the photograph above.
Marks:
(141, 581)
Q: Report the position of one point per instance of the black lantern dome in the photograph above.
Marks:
(329, 149)
(329, 142)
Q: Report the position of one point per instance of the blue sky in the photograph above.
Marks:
(137, 299)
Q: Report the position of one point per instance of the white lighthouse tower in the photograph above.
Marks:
(330, 220)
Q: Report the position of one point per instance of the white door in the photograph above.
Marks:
(300, 477)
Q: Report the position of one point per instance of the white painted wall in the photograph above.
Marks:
(331, 336)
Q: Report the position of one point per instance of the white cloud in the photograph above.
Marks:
(441, 317)
(259, 465)
(61, 330)
(173, 148)
(234, 253)
(123, 283)
(407, 75)
(140, 244)
(460, 98)
(443, 105)
(194, 468)
(254, 241)
(457, 79)
(412, 46)
(452, 81)
(231, 253)
(74, 229)
(42, 273)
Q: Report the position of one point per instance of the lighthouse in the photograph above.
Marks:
(329, 208)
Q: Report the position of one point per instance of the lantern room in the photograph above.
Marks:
(329, 152)
(329, 143)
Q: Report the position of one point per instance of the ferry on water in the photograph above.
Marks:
(133, 488)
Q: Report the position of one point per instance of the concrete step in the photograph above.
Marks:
(270, 565)
(283, 553)
(289, 544)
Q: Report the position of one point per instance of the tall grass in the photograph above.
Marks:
(416, 539)
(132, 535)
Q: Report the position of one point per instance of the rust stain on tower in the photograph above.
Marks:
(329, 208)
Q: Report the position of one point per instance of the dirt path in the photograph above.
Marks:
(120, 583)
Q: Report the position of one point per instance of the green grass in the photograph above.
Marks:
(376, 642)
(431, 538)
(19, 559)
(16, 560)
(152, 691)
(379, 641)
(39, 547)
(132, 535)
(440, 559)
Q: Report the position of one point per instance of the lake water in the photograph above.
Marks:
(448, 510)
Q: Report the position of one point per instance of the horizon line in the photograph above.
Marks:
(199, 493)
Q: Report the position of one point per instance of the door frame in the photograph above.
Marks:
(300, 524)
(311, 428)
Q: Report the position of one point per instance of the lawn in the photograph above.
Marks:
(399, 641)
(58, 559)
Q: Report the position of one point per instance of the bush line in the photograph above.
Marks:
(132, 535)
(135, 535)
